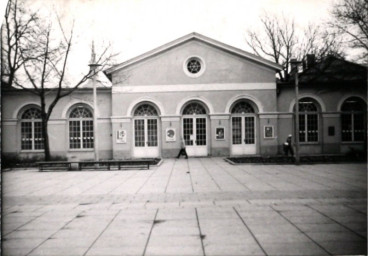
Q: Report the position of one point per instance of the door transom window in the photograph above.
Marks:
(194, 109)
(242, 107)
(145, 110)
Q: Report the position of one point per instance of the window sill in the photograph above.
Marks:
(270, 138)
(352, 142)
(309, 143)
(81, 150)
(32, 151)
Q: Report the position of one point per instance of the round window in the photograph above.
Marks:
(194, 66)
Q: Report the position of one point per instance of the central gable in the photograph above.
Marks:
(193, 61)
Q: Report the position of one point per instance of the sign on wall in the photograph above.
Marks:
(220, 133)
(170, 134)
(268, 131)
(121, 136)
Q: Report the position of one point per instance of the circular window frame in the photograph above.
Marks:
(200, 72)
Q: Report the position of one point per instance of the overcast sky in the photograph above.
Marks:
(136, 26)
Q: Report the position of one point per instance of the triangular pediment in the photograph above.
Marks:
(169, 64)
(201, 38)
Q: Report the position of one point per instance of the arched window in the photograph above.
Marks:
(353, 119)
(194, 109)
(145, 110)
(31, 130)
(81, 128)
(308, 120)
(242, 107)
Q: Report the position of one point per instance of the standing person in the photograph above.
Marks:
(182, 149)
(288, 146)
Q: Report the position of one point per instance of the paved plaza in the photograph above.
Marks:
(199, 206)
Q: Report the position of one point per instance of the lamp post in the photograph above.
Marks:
(294, 65)
(93, 67)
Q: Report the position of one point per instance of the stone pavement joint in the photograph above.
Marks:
(201, 235)
(250, 231)
(288, 220)
(199, 206)
(337, 222)
(149, 235)
(102, 232)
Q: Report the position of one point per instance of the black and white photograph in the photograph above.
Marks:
(268, 131)
(170, 134)
(121, 136)
(184, 128)
(220, 133)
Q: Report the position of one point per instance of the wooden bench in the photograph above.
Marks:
(119, 164)
(55, 165)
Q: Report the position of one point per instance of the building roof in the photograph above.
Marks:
(199, 37)
(332, 70)
(101, 82)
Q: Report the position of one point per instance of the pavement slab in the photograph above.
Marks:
(199, 206)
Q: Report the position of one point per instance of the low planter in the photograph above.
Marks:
(317, 159)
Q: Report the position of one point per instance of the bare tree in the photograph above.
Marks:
(351, 20)
(45, 64)
(276, 42)
(17, 27)
(319, 42)
(279, 41)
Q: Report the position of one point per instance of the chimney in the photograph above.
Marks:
(311, 60)
(293, 64)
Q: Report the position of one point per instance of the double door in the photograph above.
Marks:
(146, 138)
(243, 135)
(195, 135)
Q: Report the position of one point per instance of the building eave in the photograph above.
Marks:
(13, 89)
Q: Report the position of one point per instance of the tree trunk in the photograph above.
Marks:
(46, 139)
(45, 133)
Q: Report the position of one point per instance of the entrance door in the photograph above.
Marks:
(243, 135)
(194, 131)
(145, 138)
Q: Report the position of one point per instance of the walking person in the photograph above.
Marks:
(182, 149)
(288, 146)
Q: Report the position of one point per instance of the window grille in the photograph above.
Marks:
(237, 134)
(242, 107)
(32, 113)
(353, 112)
(38, 138)
(249, 130)
(194, 66)
(194, 109)
(139, 133)
(145, 110)
(188, 130)
(200, 131)
(152, 133)
(308, 120)
(31, 130)
(81, 135)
